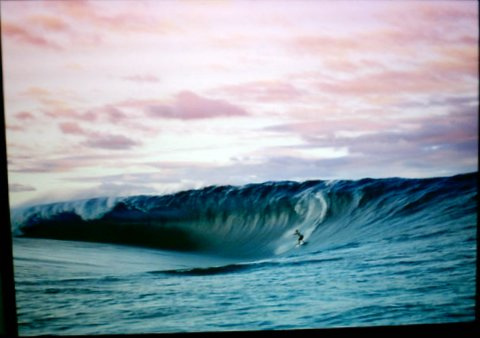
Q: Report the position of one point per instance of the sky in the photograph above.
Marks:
(117, 98)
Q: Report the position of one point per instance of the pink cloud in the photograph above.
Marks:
(14, 127)
(127, 115)
(393, 41)
(119, 18)
(447, 12)
(47, 98)
(142, 78)
(68, 162)
(404, 31)
(32, 164)
(138, 103)
(457, 60)
(263, 91)
(109, 112)
(114, 114)
(60, 25)
(98, 140)
(22, 34)
(49, 23)
(25, 116)
(40, 166)
(71, 114)
(71, 128)
(313, 44)
(188, 105)
(431, 78)
(350, 66)
(185, 105)
(36, 92)
(112, 142)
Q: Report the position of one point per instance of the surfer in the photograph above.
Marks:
(300, 237)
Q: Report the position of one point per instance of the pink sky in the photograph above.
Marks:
(149, 97)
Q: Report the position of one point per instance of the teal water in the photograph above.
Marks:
(379, 252)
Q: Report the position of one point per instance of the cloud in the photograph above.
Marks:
(55, 164)
(110, 112)
(71, 128)
(70, 114)
(15, 127)
(17, 187)
(131, 113)
(24, 115)
(360, 135)
(53, 101)
(142, 78)
(448, 12)
(457, 61)
(188, 106)
(22, 34)
(410, 162)
(120, 188)
(425, 80)
(49, 23)
(98, 140)
(417, 50)
(394, 143)
(62, 25)
(330, 126)
(263, 91)
(335, 121)
(36, 92)
(111, 142)
(409, 47)
(107, 113)
(121, 18)
(325, 44)
(349, 65)
(39, 166)
(403, 27)
(432, 17)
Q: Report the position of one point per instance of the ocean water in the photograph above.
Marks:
(378, 252)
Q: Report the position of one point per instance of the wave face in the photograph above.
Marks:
(259, 220)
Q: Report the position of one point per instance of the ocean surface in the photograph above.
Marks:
(378, 252)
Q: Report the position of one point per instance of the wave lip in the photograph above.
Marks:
(235, 221)
(259, 220)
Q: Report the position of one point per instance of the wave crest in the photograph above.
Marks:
(256, 219)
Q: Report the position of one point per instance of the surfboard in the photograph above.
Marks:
(301, 244)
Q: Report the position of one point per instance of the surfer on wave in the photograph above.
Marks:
(300, 237)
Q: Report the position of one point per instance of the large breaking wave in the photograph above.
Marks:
(260, 219)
